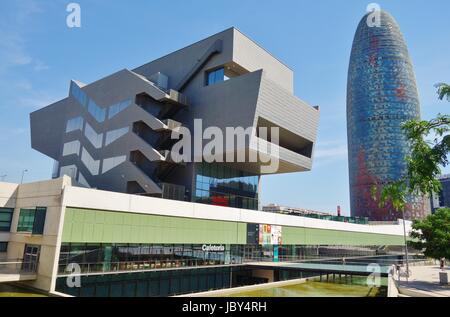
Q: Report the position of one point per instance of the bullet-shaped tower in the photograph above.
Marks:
(381, 95)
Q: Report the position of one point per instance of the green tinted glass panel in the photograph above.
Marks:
(26, 220)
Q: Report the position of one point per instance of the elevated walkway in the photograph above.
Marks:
(346, 269)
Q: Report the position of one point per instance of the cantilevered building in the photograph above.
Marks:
(116, 133)
(382, 94)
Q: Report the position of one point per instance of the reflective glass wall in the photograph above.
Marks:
(220, 185)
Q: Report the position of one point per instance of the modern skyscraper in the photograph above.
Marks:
(381, 95)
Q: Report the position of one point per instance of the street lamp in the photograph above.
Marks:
(23, 174)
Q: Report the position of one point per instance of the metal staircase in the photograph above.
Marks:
(152, 157)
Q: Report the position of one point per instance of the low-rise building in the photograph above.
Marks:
(129, 245)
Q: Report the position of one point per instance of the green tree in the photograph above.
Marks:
(425, 160)
(433, 234)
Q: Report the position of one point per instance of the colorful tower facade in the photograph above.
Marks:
(381, 95)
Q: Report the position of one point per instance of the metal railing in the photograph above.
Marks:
(105, 267)
(18, 266)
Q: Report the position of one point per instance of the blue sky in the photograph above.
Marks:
(39, 55)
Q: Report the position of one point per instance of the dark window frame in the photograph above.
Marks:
(209, 81)
(5, 225)
(3, 246)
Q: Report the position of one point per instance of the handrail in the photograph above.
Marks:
(121, 266)
(18, 266)
(103, 267)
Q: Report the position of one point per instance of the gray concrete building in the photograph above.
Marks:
(117, 133)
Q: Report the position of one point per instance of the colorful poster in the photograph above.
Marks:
(270, 235)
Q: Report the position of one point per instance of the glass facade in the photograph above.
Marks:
(6, 215)
(217, 184)
(151, 284)
(94, 258)
(106, 258)
(381, 95)
(131, 278)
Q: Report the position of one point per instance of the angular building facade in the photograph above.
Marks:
(381, 95)
(117, 133)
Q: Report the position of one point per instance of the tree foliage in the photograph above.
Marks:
(425, 160)
(432, 234)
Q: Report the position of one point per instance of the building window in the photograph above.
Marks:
(3, 247)
(92, 165)
(118, 107)
(216, 76)
(6, 215)
(112, 136)
(26, 220)
(32, 220)
(74, 124)
(71, 148)
(110, 163)
(93, 137)
(78, 94)
(97, 112)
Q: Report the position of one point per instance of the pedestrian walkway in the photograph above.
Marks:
(424, 282)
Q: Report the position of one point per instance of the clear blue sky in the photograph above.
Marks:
(39, 55)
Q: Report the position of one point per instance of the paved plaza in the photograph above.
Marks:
(424, 281)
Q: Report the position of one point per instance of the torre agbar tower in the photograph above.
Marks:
(381, 95)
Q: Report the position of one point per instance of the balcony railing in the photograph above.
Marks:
(18, 267)
(104, 267)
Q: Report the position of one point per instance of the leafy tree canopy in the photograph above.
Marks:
(433, 234)
(425, 160)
